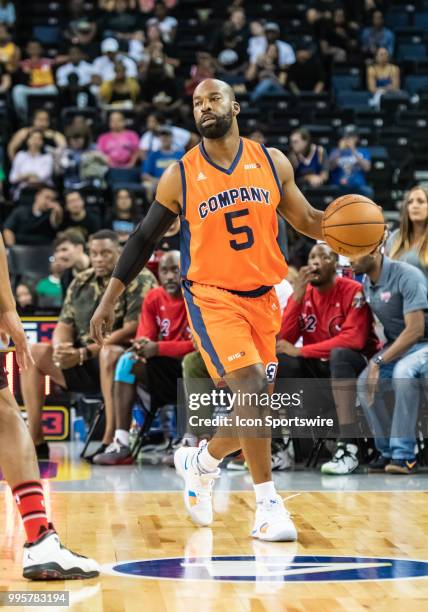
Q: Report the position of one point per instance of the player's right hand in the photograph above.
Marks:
(303, 278)
(11, 326)
(101, 323)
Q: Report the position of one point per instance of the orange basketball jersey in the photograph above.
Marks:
(229, 224)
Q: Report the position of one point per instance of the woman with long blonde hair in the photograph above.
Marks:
(409, 242)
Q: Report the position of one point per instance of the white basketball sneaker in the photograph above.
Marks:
(47, 559)
(344, 460)
(197, 485)
(273, 522)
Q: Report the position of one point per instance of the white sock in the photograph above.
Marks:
(206, 462)
(265, 491)
(122, 435)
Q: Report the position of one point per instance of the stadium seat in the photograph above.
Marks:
(416, 83)
(396, 19)
(420, 19)
(47, 34)
(353, 99)
(345, 82)
(121, 178)
(411, 52)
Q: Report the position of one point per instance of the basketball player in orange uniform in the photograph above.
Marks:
(227, 191)
(44, 556)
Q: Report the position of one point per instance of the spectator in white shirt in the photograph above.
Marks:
(286, 55)
(31, 167)
(104, 66)
(83, 70)
(150, 140)
(166, 23)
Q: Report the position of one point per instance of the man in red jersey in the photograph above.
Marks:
(44, 556)
(163, 338)
(331, 315)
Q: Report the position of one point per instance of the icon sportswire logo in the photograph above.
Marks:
(277, 568)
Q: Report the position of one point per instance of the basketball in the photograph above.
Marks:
(353, 225)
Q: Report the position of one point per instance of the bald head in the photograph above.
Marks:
(214, 85)
(169, 272)
(215, 108)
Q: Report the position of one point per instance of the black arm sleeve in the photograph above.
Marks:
(141, 243)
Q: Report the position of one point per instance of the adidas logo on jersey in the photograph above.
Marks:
(251, 166)
(201, 176)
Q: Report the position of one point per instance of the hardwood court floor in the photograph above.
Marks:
(121, 526)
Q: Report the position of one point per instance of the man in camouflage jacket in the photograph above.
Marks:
(73, 360)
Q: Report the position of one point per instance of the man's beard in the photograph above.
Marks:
(218, 129)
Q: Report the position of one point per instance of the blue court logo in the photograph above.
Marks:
(300, 568)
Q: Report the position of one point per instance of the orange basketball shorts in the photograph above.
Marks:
(232, 331)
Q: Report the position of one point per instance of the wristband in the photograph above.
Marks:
(81, 356)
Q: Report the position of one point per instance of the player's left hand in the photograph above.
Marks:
(11, 327)
(148, 349)
(283, 346)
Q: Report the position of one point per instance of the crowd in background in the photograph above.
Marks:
(96, 114)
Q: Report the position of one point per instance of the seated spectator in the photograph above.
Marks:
(309, 160)
(41, 121)
(307, 73)
(31, 167)
(256, 42)
(82, 28)
(48, 290)
(205, 68)
(397, 293)
(120, 146)
(169, 242)
(70, 253)
(147, 6)
(123, 218)
(339, 38)
(382, 77)
(75, 66)
(409, 243)
(122, 92)
(72, 360)
(76, 216)
(104, 66)
(336, 324)
(37, 73)
(158, 161)
(258, 136)
(36, 224)
(10, 53)
(26, 300)
(285, 52)
(377, 36)
(70, 158)
(349, 164)
(162, 340)
(231, 57)
(158, 86)
(7, 12)
(5, 80)
(166, 23)
(121, 23)
(153, 40)
(150, 140)
(267, 76)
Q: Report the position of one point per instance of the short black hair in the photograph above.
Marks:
(105, 234)
(70, 235)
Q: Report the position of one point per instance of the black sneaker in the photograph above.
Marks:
(42, 451)
(101, 449)
(379, 464)
(402, 466)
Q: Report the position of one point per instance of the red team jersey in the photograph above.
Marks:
(339, 318)
(163, 319)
